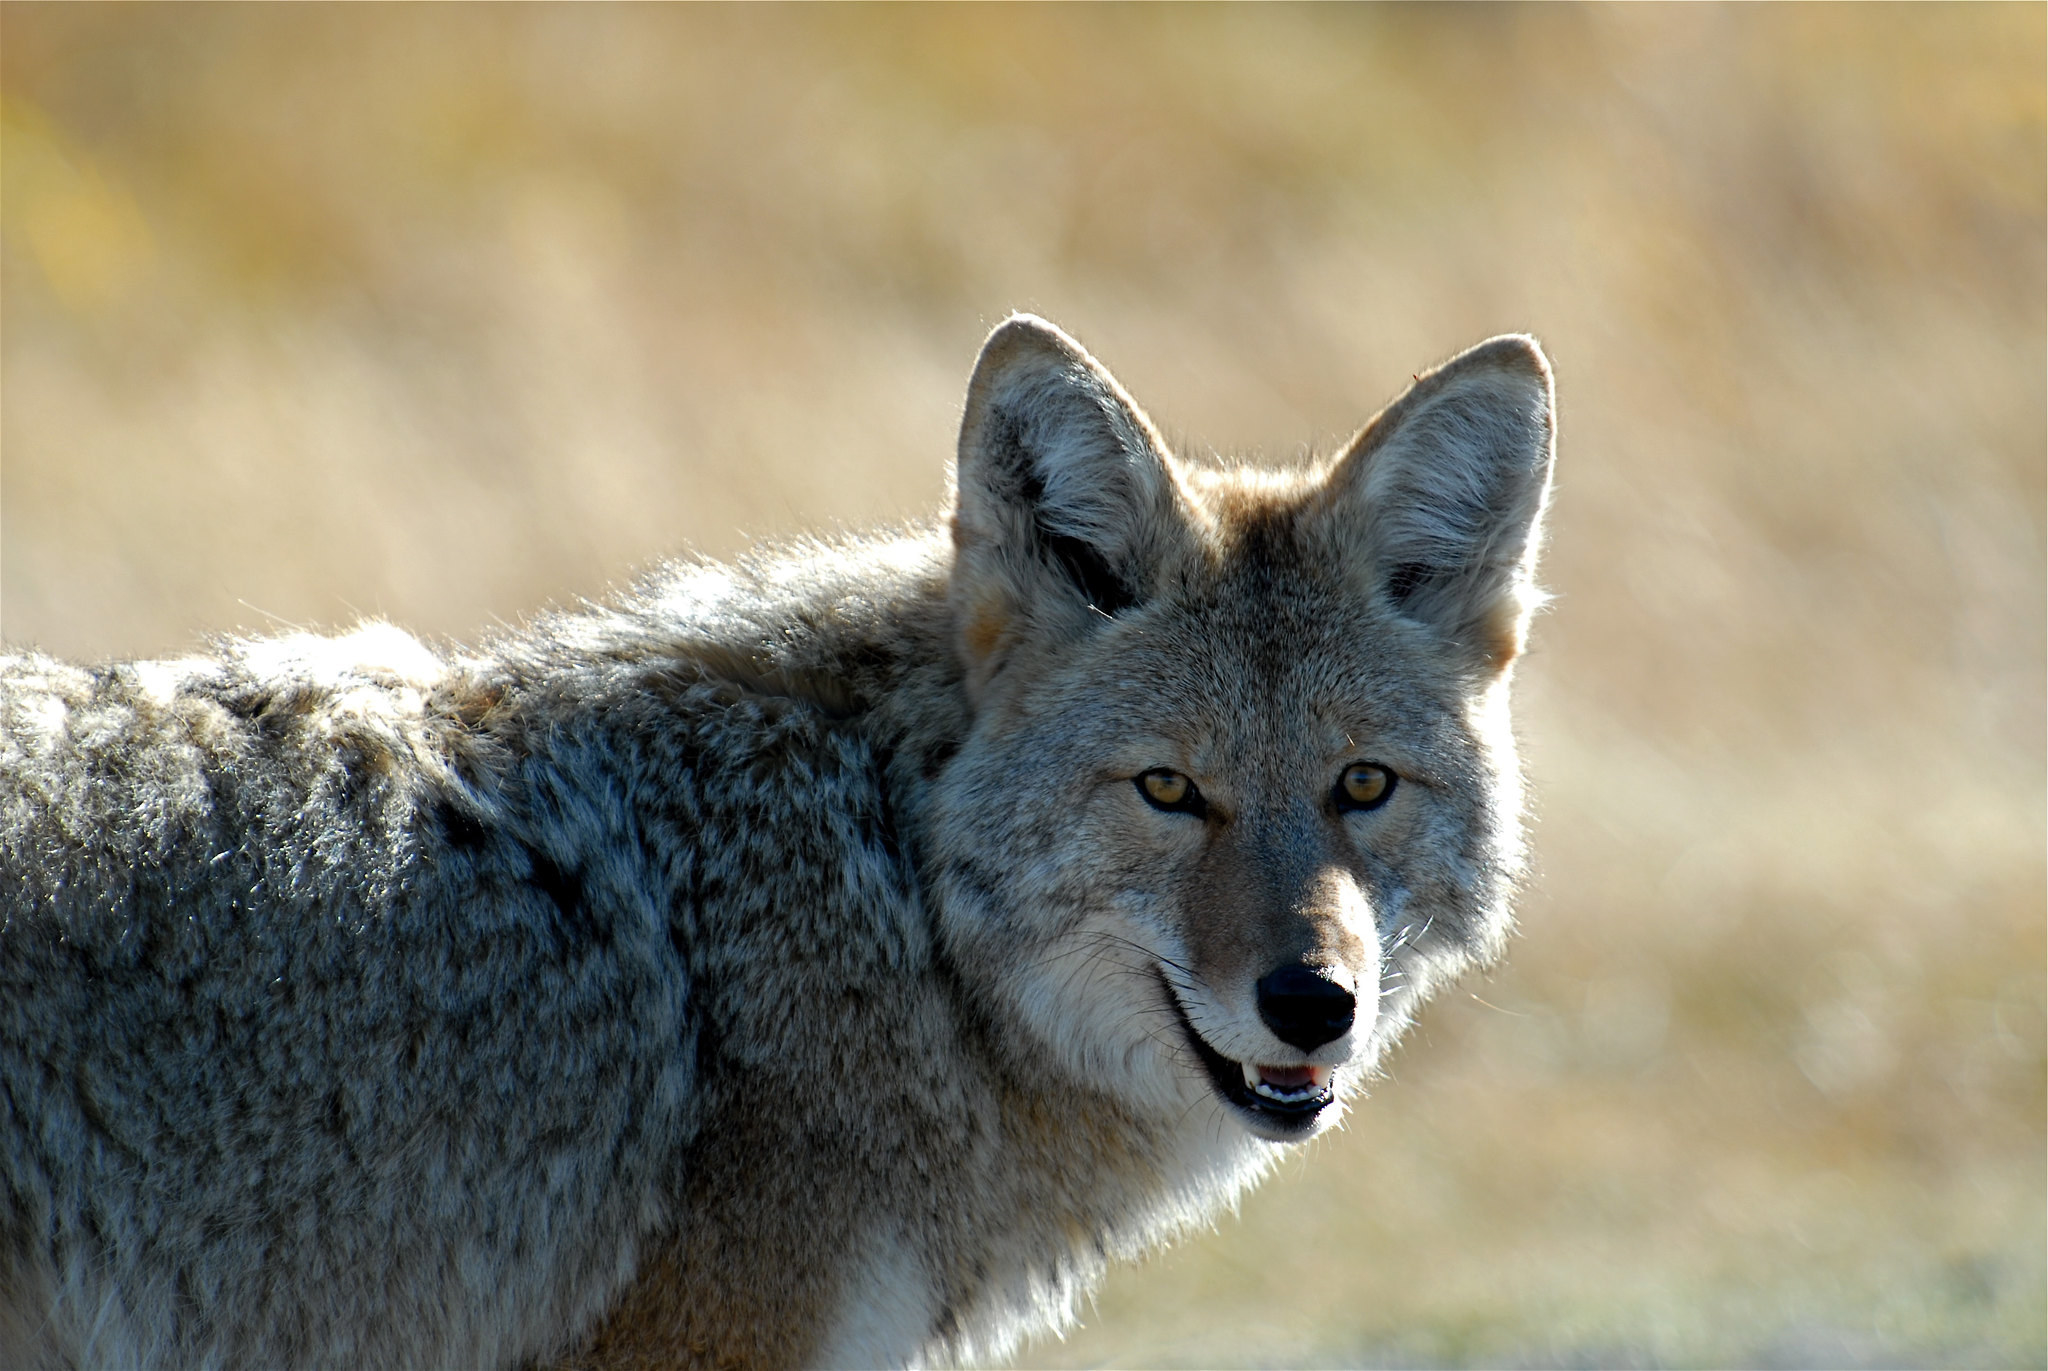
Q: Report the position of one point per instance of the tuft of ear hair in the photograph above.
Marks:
(1064, 493)
(1446, 489)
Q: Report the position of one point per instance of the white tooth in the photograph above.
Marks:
(1251, 1076)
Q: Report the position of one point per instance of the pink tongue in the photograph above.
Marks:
(1286, 1077)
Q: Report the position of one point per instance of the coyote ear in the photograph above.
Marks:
(1448, 487)
(1064, 493)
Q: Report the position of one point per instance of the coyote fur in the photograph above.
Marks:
(830, 959)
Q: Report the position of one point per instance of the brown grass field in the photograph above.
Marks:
(445, 314)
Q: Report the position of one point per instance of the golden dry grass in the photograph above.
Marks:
(446, 313)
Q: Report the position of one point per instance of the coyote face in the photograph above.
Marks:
(1240, 784)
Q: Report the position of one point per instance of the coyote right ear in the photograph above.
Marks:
(1063, 494)
(1448, 486)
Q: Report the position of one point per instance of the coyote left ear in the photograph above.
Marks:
(1447, 487)
(1064, 494)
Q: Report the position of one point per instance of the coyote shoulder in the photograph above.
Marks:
(834, 958)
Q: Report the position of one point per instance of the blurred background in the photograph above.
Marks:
(446, 314)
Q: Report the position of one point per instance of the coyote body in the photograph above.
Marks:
(834, 958)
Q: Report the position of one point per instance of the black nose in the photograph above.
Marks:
(1303, 1009)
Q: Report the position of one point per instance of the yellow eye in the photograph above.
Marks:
(1165, 789)
(1364, 785)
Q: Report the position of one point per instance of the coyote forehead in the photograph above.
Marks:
(831, 958)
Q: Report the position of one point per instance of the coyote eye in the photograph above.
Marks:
(1171, 791)
(1364, 785)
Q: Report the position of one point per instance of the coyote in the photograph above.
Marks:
(831, 959)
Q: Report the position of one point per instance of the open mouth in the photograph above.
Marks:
(1284, 1097)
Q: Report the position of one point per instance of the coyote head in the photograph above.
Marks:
(1239, 786)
